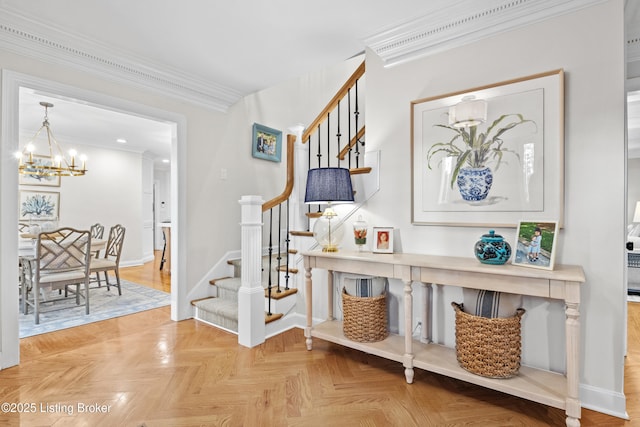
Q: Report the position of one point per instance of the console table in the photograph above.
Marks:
(562, 283)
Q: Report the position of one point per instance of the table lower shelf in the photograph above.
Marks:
(548, 388)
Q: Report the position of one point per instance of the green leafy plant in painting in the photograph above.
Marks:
(474, 149)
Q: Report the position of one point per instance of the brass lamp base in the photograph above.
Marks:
(330, 248)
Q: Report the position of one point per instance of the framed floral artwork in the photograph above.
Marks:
(383, 240)
(39, 205)
(490, 155)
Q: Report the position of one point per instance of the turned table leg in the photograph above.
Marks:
(408, 345)
(308, 301)
(572, 325)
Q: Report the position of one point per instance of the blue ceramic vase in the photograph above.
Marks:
(492, 249)
(474, 183)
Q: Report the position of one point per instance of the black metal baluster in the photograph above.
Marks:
(287, 240)
(279, 247)
(357, 114)
(269, 285)
(338, 134)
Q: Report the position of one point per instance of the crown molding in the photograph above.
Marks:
(27, 37)
(461, 23)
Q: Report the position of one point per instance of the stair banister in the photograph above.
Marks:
(334, 102)
(291, 139)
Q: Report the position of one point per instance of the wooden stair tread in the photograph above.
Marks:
(279, 295)
(193, 302)
(283, 269)
(313, 214)
(358, 171)
(213, 281)
(268, 318)
(301, 233)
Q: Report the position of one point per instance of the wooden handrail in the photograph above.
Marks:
(291, 139)
(334, 102)
(353, 142)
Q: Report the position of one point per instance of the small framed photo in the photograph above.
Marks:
(39, 205)
(536, 244)
(267, 143)
(39, 179)
(383, 240)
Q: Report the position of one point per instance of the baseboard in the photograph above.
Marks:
(605, 401)
(290, 321)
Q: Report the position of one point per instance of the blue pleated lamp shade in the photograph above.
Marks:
(328, 185)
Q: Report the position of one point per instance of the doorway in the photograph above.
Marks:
(11, 84)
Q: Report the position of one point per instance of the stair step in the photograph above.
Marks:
(218, 311)
(301, 233)
(313, 214)
(268, 318)
(283, 269)
(279, 295)
(213, 281)
(199, 299)
(359, 171)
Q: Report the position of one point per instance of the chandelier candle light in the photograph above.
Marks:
(55, 163)
(327, 186)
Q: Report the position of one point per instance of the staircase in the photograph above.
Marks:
(222, 309)
(237, 297)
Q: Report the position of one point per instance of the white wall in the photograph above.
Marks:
(110, 193)
(588, 45)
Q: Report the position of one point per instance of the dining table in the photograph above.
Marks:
(27, 255)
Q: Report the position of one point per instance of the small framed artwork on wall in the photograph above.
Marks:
(536, 244)
(36, 178)
(383, 240)
(266, 143)
(39, 205)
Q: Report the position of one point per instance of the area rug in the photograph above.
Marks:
(103, 305)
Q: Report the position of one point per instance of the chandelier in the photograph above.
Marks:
(55, 163)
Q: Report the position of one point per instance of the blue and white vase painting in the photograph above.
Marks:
(474, 183)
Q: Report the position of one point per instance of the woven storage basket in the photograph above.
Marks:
(364, 318)
(489, 347)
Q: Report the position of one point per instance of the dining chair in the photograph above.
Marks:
(61, 261)
(97, 231)
(111, 259)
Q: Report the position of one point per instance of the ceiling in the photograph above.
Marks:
(213, 52)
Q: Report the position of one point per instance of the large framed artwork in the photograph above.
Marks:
(498, 171)
(39, 179)
(266, 143)
(39, 205)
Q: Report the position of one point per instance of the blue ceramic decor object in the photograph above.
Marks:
(492, 249)
(474, 183)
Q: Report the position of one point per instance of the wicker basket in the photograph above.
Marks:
(364, 318)
(489, 347)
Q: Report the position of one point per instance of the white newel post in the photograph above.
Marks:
(251, 328)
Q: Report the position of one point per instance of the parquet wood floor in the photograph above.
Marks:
(146, 370)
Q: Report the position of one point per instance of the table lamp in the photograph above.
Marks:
(328, 186)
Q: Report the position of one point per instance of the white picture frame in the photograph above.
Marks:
(383, 240)
(535, 245)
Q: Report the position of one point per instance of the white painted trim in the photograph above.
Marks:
(9, 333)
(28, 37)
(462, 23)
(602, 400)
(11, 82)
